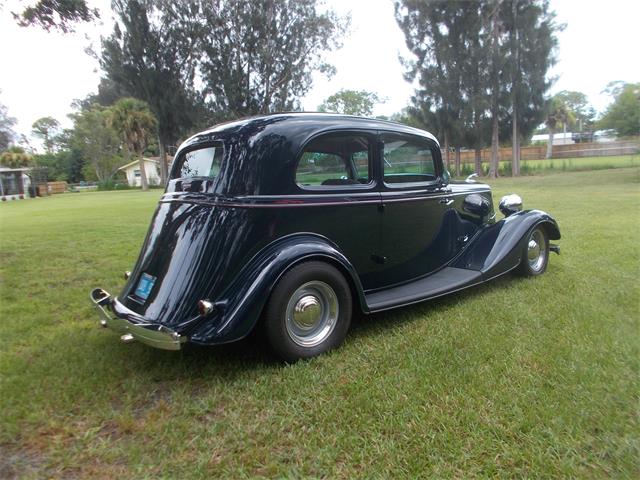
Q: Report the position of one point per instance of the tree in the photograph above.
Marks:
(578, 104)
(6, 128)
(623, 115)
(151, 55)
(351, 102)
(97, 142)
(558, 113)
(46, 129)
(530, 29)
(259, 56)
(449, 63)
(15, 157)
(133, 120)
(56, 14)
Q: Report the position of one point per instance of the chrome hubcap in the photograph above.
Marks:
(536, 251)
(312, 313)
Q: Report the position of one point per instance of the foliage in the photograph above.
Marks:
(623, 115)
(578, 104)
(258, 57)
(152, 55)
(67, 164)
(46, 129)
(97, 142)
(558, 113)
(135, 123)
(15, 157)
(351, 102)
(56, 14)
(6, 128)
(527, 378)
(475, 60)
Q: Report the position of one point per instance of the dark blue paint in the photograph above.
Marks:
(230, 239)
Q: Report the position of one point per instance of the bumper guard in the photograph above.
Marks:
(152, 334)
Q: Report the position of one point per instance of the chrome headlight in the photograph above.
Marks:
(510, 204)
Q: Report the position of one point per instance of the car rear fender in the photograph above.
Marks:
(240, 305)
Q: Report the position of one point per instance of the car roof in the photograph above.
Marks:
(277, 122)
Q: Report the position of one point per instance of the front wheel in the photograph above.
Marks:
(536, 253)
(309, 311)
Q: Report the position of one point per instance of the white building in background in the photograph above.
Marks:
(151, 168)
(559, 138)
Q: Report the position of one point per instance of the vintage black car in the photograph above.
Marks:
(294, 221)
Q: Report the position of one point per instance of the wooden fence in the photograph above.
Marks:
(539, 152)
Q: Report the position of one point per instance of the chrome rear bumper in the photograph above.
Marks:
(152, 334)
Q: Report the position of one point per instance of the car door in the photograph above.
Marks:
(339, 197)
(419, 222)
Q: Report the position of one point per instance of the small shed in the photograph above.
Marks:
(14, 182)
(151, 168)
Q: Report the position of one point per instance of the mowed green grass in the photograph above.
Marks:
(518, 378)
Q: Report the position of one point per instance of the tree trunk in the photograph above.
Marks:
(457, 161)
(515, 141)
(143, 174)
(515, 144)
(494, 163)
(163, 161)
(478, 160)
(550, 144)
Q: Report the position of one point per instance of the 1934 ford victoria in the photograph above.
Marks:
(296, 220)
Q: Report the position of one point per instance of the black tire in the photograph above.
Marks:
(535, 258)
(319, 291)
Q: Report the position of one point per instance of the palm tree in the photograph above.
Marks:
(135, 123)
(557, 114)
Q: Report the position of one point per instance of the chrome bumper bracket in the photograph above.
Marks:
(152, 334)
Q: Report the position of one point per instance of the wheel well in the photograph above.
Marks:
(355, 294)
(552, 230)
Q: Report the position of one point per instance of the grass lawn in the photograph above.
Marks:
(519, 378)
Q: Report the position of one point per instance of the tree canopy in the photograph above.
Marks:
(351, 102)
(478, 62)
(6, 128)
(623, 115)
(46, 129)
(135, 123)
(151, 55)
(56, 14)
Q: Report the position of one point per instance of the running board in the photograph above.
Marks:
(445, 281)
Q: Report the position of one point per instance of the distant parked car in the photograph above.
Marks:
(296, 220)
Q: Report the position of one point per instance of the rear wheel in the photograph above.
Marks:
(536, 253)
(309, 311)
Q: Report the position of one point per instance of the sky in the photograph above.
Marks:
(42, 73)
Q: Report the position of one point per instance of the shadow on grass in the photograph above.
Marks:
(232, 360)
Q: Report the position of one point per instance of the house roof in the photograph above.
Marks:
(135, 162)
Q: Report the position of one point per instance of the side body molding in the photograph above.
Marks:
(498, 248)
(239, 306)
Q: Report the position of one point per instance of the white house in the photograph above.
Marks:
(151, 168)
(560, 138)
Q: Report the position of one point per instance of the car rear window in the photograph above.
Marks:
(201, 162)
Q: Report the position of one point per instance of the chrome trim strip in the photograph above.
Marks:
(152, 334)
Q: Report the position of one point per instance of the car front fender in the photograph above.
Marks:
(498, 248)
(238, 308)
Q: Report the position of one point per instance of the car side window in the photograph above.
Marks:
(335, 160)
(407, 160)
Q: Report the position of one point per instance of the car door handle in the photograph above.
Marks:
(446, 201)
